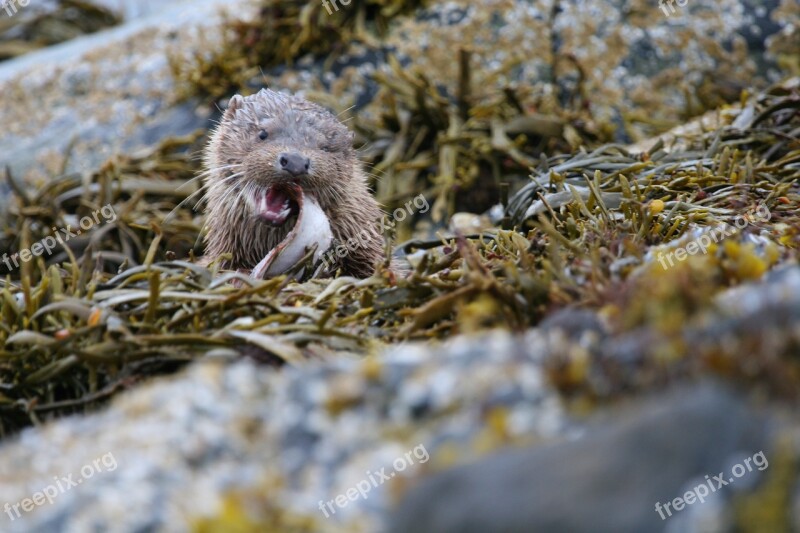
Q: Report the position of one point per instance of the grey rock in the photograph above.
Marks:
(114, 99)
(181, 445)
(105, 93)
(609, 480)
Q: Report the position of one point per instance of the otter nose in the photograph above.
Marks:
(294, 164)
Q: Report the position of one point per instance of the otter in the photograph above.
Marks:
(281, 175)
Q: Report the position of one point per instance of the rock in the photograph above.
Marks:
(609, 480)
(105, 93)
(294, 445)
(279, 443)
(750, 332)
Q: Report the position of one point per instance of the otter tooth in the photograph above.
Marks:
(312, 228)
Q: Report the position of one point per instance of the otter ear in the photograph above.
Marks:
(234, 103)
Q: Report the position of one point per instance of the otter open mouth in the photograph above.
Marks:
(275, 205)
(311, 231)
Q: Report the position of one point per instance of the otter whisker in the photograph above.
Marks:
(210, 193)
(199, 176)
(232, 177)
(376, 169)
(247, 191)
(241, 193)
(195, 193)
(180, 205)
(364, 146)
(345, 111)
(210, 171)
(377, 177)
(223, 181)
(229, 192)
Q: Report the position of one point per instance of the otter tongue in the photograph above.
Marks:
(274, 206)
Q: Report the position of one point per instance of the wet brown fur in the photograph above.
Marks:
(238, 162)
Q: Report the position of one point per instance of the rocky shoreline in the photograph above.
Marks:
(576, 364)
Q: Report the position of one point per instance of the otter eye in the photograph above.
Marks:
(263, 135)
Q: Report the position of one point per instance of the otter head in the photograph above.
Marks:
(270, 145)
(281, 174)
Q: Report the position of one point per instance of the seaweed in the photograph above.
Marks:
(20, 34)
(126, 300)
(283, 31)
